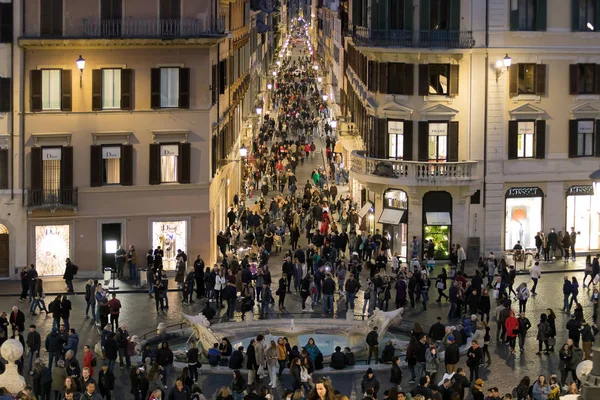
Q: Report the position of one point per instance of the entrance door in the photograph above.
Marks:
(4, 256)
(111, 239)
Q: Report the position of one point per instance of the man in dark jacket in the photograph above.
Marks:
(369, 382)
(338, 360)
(106, 381)
(567, 289)
(236, 360)
(574, 326)
(437, 330)
(34, 344)
(421, 348)
(54, 343)
(452, 355)
(423, 388)
(474, 355)
(328, 288)
(373, 343)
(17, 319)
(208, 311)
(349, 357)
(111, 350)
(179, 391)
(587, 338)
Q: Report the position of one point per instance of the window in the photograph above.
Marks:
(528, 15)
(111, 88)
(439, 14)
(526, 78)
(111, 163)
(584, 79)
(438, 79)
(396, 139)
(438, 141)
(525, 139)
(51, 23)
(5, 94)
(169, 87)
(581, 138)
(51, 158)
(6, 22)
(51, 89)
(584, 15)
(168, 163)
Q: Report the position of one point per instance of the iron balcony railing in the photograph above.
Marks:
(52, 199)
(405, 38)
(153, 28)
(416, 170)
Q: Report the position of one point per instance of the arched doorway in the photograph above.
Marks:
(437, 222)
(4, 252)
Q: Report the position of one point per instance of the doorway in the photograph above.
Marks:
(437, 222)
(111, 239)
(4, 252)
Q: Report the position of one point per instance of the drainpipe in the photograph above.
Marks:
(12, 116)
(485, 112)
(22, 107)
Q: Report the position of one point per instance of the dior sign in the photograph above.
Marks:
(524, 192)
(51, 154)
(111, 152)
(169, 150)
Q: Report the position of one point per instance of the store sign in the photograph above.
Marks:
(51, 154)
(169, 150)
(395, 127)
(581, 190)
(524, 192)
(526, 128)
(111, 152)
(438, 129)
(585, 127)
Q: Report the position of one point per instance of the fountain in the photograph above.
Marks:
(11, 351)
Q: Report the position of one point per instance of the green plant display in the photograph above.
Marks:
(441, 240)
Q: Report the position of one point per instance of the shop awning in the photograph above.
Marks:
(390, 216)
(438, 218)
(365, 209)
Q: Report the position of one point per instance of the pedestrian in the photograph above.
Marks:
(34, 345)
(588, 334)
(474, 356)
(69, 274)
(522, 296)
(512, 330)
(574, 293)
(543, 334)
(524, 326)
(106, 381)
(17, 319)
(90, 299)
(132, 262)
(535, 273)
(115, 311)
(372, 341)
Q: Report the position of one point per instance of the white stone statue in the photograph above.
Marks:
(11, 351)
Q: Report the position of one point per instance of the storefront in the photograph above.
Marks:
(171, 235)
(52, 248)
(394, 219)
(582, 216)
(524, 213)
(437, 222)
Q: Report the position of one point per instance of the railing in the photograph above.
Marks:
(153, 28)
(421, 171)
(52, 199)
(404, 38)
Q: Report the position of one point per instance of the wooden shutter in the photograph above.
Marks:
(514, 18)
(597, 138)
(126, 165)
(409, 79)
(184, 88)
(575, 15)
(453, 141)
(36, 173)
(5, 94)
(154, 170)
(513, 140)
(573, 129)
(96, 89)
(127, 89)
(454, 18)
(540, 79)
(214, 90)
(540, 139)
(36, 90)
(169, 9)
(425, 17)
(184, 163)
(423, 141)
(66, 81)
(423, 79)
(407, 139)
(51, 17)
(6, 17)
(597, 75)
(381, 139)
(155, 89)
(383, 77)
(66, 167)
(408, 15)
(372, 83)
(513, 80)
(541, 15)
(453, 84)
(96, 166)
(3, 168)
(574, 79)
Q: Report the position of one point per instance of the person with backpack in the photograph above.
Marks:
(522, 296)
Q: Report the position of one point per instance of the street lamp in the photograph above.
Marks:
(325, 97)
(269, 86)
(274, 73)
(507, 61)
(243, 152)
(319, 79)
(259, 110)
(316, 67)
(80, 65)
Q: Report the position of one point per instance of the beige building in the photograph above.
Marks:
(132, 149)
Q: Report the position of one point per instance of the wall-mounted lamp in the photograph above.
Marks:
(259, 110)
(333, 124)
(269, 86)
(274, 73)
(502, 66)
(325, 97)
(80, 65)
(319, 79)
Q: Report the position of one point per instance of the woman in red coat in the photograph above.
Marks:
(88, 359)
(512, 330)
(325, 223)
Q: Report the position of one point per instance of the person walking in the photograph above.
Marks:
(90, 299)
(543, 333)
(34, 345)
(567, 288)
(524, 326)
(69, 275)
(281, 291)
(588, 334)
(574, 293)
(512, 330)
(522, 296)
(535, 273)
(474, 356)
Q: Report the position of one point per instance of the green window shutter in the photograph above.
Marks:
(541, 15)
(454, 20)
(514, 18)
(408, 15)
(575, 15)
(425, 15)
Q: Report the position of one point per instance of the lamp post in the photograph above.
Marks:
(80, 65)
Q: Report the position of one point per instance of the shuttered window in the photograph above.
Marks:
(6, 22)
(527, 78)
(527, 139)
(585, 15)
(528, 15)
(584, 79)
(582, 137)
(51, 17)
(438, 80)
(170, 88)
(5, 94)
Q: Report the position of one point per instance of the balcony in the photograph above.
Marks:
(412, 173)
(151, 28)
(53, 199)
(435, 39)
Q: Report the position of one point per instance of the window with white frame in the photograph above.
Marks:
(526, 135)
(51, 89)
(168, 163)
(111, 164)
(111, 88)
(396, 139)
(438, 141)
(169, 87)
(585, 138)
(51, 169)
